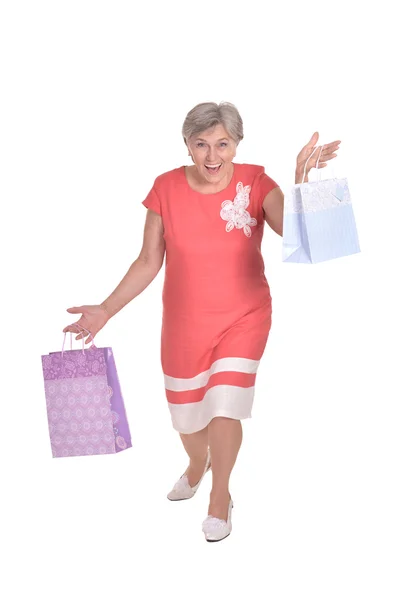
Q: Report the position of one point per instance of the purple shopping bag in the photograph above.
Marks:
(85, 408)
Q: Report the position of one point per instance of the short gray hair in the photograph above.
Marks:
(209, 114)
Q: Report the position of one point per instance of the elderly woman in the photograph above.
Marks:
(209, 219)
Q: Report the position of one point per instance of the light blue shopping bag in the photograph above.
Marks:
(319, 223)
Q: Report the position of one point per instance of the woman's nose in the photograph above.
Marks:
(211, 154)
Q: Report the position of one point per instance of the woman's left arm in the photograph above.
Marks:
(273, 204)
(273, 208)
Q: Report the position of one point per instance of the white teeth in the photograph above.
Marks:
(213, 166)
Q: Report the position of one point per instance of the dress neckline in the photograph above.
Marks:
(231, 182)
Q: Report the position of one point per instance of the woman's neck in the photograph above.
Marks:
(200, 184)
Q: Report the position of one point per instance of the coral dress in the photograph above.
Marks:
(216, 300)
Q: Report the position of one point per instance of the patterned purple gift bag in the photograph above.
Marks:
(85, 408)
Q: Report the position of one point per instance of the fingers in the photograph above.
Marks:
(330, 145)
(329, 149)
(81, 331)
(309, 151)
(76, 328)
(310, 154)
(89, 339)
(313, 140)
(323, 159)
(73, 328)
(82, 335)
(325, 156)
(325, 152)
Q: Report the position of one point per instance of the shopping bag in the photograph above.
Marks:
(85, 409)
(319, 222)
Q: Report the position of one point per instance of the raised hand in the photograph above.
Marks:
(328, 152)
(93, 318)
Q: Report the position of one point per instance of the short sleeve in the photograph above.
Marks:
(266, 184)
(153, 201)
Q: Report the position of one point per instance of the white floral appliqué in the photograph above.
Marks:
(235, 212)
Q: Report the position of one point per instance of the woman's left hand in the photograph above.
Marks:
(327, 153)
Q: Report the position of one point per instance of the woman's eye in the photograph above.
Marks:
(224, 144)
(200, 144)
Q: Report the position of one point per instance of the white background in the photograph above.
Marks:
(93, 98)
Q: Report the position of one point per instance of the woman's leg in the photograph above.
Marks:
(225, 437)
(196, 446)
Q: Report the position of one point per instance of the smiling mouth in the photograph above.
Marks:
(213, 168)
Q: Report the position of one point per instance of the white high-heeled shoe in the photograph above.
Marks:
(216, 530)
(182, 490)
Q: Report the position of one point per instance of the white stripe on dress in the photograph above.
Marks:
(219, 401)
(240, 365)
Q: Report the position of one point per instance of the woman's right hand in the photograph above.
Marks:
(93, 318)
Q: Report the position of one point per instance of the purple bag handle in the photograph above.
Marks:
(83, 341)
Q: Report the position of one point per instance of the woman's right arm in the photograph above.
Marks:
(139, 276)
(144, 269)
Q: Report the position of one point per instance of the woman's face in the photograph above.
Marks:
(212, 152)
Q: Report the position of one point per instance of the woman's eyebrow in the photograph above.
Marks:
(202, 140)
